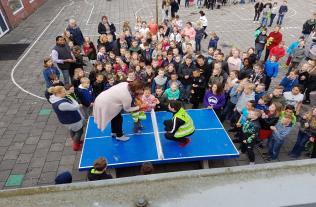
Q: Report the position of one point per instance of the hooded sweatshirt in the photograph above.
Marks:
(211, 99)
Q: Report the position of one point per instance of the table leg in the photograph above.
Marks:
(205, 164)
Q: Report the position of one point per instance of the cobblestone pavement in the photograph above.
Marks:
(33, 143)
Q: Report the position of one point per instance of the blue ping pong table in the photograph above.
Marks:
(210, 141)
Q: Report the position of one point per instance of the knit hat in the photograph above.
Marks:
(63, 178)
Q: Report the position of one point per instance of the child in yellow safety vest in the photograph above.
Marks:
(139, 115)
(180, 126)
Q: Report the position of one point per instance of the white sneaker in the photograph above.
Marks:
(122, 138)
(251, 163)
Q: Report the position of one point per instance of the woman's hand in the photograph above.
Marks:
(312, 139)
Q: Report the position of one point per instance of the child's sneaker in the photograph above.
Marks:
(122, 138)
(76, 146)
(183, 144)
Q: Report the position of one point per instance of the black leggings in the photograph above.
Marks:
(257, 16)
(168, 126)
(116, 125)
(249, 149)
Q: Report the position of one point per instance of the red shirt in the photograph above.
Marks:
(153, 28)
(277, 51)
(277, 38)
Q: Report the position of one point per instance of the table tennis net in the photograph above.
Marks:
(156, 135)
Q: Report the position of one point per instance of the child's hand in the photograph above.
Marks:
(91, 105)
(80, 105)
(192, 91)
(235, 109)
(238, 124)
(186, 76)
(312, 139)
(157, 101)
(210, 107)
(273, 128)
(244, 141)
(303, 77)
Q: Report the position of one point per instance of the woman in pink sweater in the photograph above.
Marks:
(188, 30)
(109, 104)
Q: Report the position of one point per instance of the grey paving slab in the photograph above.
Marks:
(4, 174)
(47, 178)
(20, 168)
(53, 156)
(33, 172)
(51, 166)
(7, 164)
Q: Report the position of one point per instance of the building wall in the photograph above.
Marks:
(18, 17)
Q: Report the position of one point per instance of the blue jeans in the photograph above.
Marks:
(280, 19)
(299, 146)
(274, 148)
(258, 53)
(186, 91)
(228, 111)
(66, 76)
(264, 21)
(198, 45)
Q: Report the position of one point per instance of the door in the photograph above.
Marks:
(3, 25)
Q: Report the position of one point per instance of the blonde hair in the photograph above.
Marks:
(311, 118)
(250, 86)
(76, 72)
(56, 89)
(84, 80)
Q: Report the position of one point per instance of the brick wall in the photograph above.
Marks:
(17, 18)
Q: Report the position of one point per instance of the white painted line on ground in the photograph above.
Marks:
(91, 4)
(30, 48)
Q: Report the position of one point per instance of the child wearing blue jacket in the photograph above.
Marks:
(289, 81)
(271, 69)
(213, 40)
(50, 71)
(86, 97)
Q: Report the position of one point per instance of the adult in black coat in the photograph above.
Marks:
(258, 9)
(106, 27)
(174, 8)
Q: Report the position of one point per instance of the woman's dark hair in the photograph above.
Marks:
(202, 13)
(219, 89)
(176, 105)
(290, 107)
(253, 103)
(135, 86)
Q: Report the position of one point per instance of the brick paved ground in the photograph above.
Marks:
(34, 144)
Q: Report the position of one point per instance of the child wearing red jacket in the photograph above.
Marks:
(274, 39)
(278, 51)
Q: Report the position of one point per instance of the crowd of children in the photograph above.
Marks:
(236, 85)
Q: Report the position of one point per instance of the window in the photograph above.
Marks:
(15, 5)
